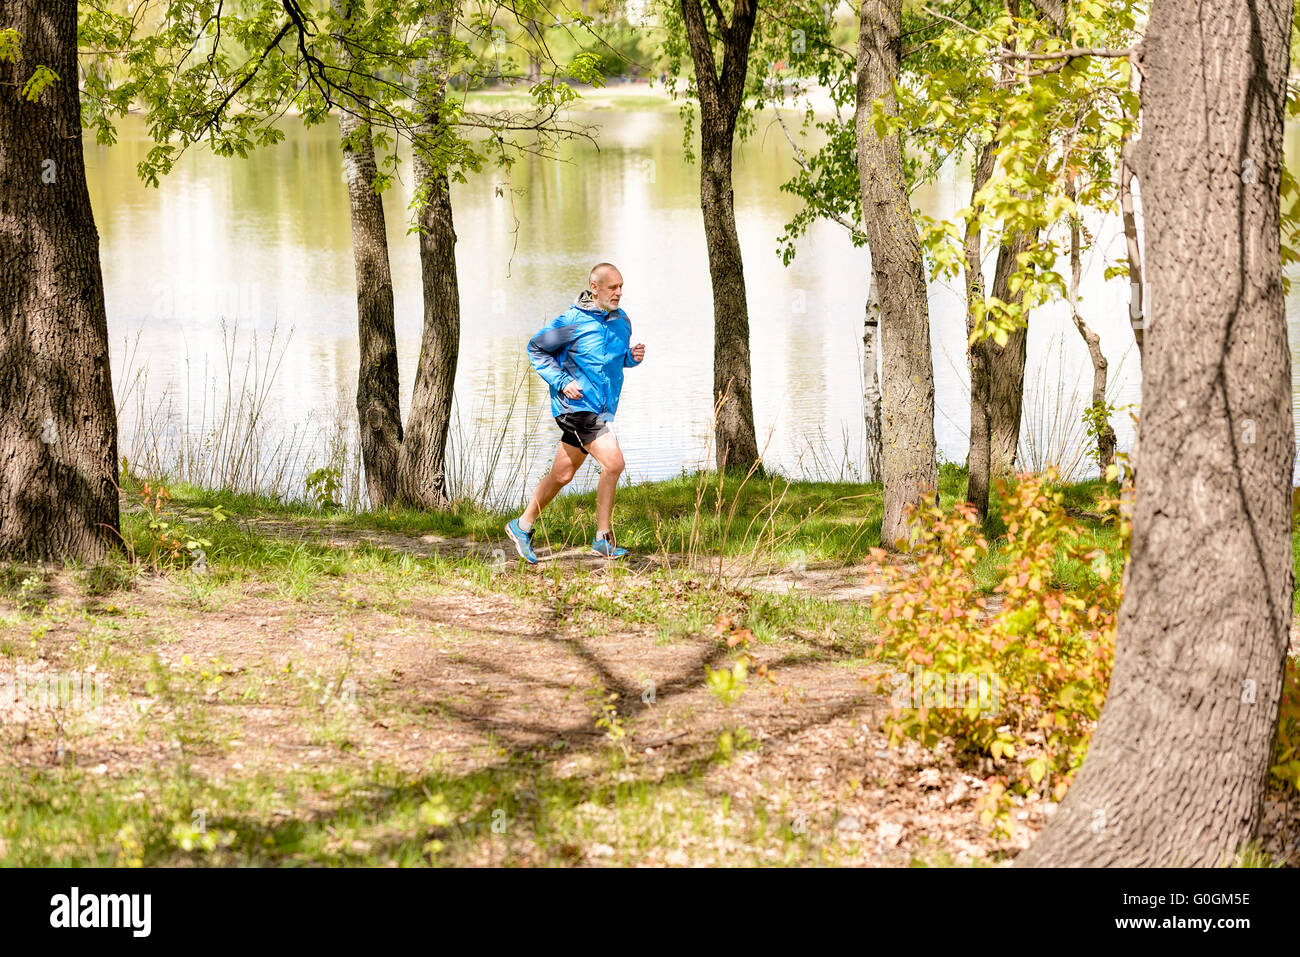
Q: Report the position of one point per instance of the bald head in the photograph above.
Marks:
(606, 285)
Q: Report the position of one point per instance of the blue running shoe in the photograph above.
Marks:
(606, 547)
(523, 541)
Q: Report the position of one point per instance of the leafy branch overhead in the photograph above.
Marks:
(225, 73)
(1050, 93)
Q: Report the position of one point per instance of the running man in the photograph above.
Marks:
(581, 355)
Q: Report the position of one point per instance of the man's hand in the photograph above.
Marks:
(572, 389)
(638, 351)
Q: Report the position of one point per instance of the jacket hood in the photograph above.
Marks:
(587, 303)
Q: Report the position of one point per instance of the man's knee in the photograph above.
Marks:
(614, 463)
(563, 470)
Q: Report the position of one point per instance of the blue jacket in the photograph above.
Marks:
(587, 344)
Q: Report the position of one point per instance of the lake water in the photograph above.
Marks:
(228, 251)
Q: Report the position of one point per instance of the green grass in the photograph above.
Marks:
(521, 805)
(771, 521)
(522, 810)
(822, 521)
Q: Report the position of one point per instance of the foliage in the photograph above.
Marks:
(1045, 653)
(323, 486)
(171, 541)
(604, 709)
(1286, 748)
(10, 45)
(728, 684)
(1096, 423)
(41, 77)
(225, 74)
(31, 593)
(1056, 125)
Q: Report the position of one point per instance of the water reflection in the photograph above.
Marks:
(264, 243)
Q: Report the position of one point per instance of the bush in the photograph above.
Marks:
(1039, 665)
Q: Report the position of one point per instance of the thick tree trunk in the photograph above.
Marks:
(907, 394)
(378, 399)
(58, 425)
(422, 471)
(735, 440)
(1176, 770)
(721, 94)
(871, 389)
(977, 355)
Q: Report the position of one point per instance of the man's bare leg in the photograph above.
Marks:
(567, 461)
(604, 449)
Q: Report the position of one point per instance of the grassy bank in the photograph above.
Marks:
(384, 689)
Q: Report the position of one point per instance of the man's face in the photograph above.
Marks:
(607, 289)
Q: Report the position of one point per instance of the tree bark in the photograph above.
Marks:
(378, 397)
(1137, 319)
(534, 31)
(58, 425)
(978, 462)
(1053, 10)
(871, 391)
(422, 462)
(1176, 770)
(721, 95)
(1105, 434)
(907, 393)
(1006, 365)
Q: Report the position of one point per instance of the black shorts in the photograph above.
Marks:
(580, 428)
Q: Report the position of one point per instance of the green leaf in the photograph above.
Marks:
(41, 77)
(1037, 768)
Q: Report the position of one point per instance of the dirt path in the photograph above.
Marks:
(838, 583)
(472, 681)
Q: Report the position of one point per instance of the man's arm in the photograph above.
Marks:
(628, 359)
(546, 345)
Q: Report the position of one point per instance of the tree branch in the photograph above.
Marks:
(854, 230)
(1069, 54)
(723, 26)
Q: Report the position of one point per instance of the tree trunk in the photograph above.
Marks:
(422, 463)
(907, 394)
(978, 460)
(721, 94)
(378, 399)
(58, 425)
(1105, 433)
(735, 439)
(871, 390)
(1006, 366)
(1176, 770)
(1053, 10)
(534, 31)
(1137, 319)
